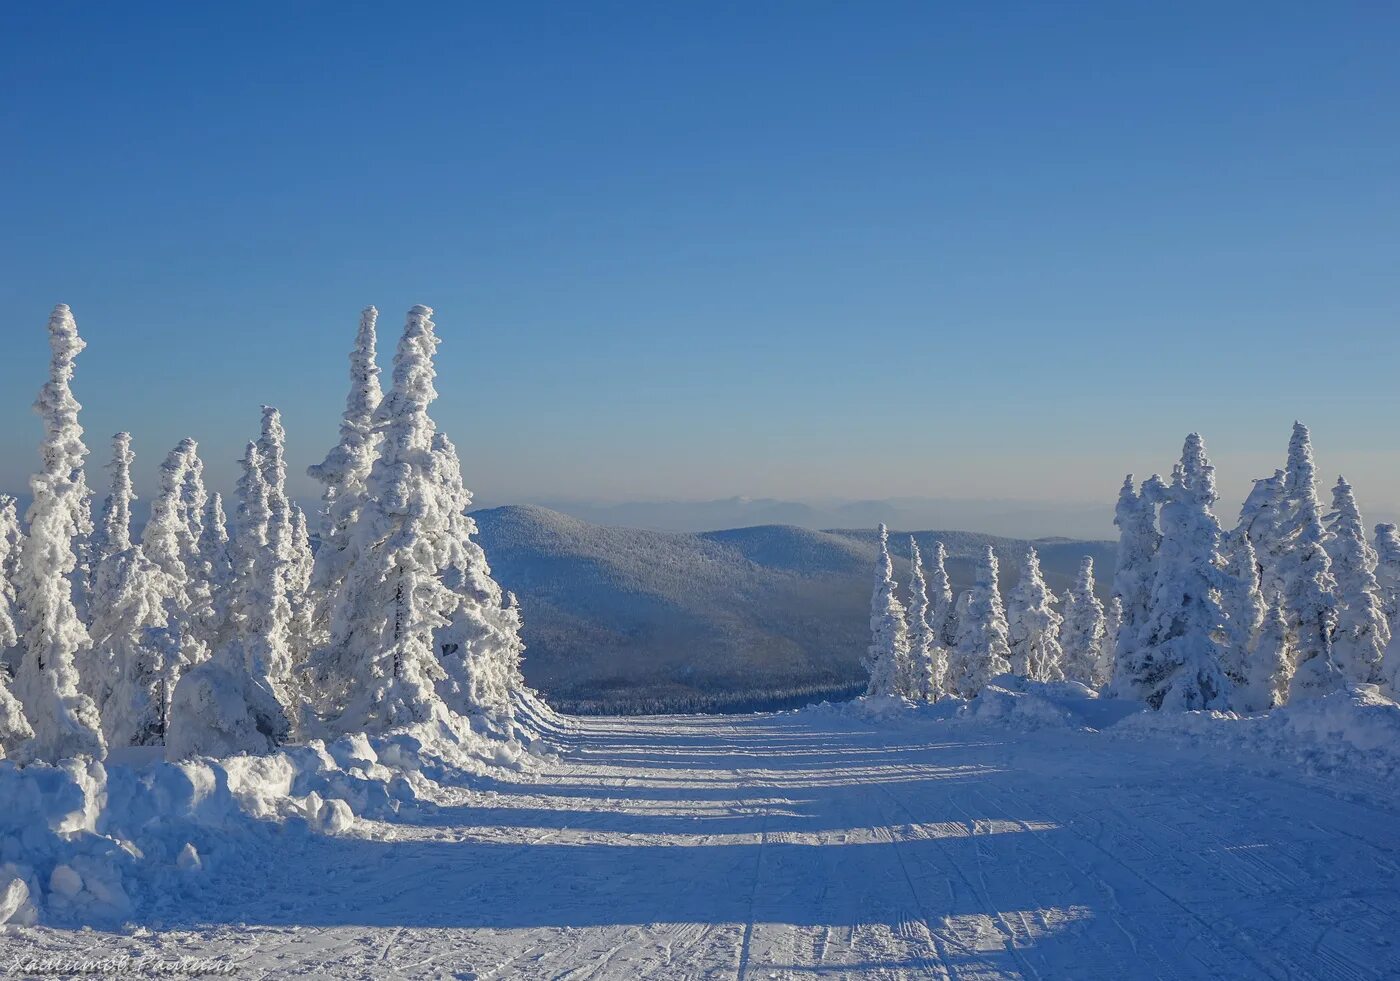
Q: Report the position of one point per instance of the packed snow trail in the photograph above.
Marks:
(814, 845)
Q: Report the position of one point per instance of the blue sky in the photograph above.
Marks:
(693, 250)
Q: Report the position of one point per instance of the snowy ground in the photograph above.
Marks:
(814, 845)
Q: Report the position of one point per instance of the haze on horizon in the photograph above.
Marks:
(804, 252)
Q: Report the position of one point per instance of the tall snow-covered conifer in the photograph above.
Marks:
(1309, 587)
(1362, 631)
(1113, 622)
(1138, 542)
(231, 703)
(889, 637)
(983, 650)
(1033, 625)
(14, 728)
(1269, 665)
(64, 720)
(1264, 524)
(416, 593)
(132, 649)
(927, 658)
(942, 613)
(1183, 640)
(1243, 602)
(345, 470)
(1083, 633)
(1388, 573)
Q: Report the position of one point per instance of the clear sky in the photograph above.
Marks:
(680, 250)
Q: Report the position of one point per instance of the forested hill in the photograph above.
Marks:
(618, 619)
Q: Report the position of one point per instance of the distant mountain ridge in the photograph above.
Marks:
(624, 619)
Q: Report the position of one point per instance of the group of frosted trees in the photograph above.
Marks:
(212, 642)
(934, 645)
(1292, 603)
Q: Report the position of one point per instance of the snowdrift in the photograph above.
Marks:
(1355, 730)
(86, 843)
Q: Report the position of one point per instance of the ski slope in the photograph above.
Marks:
(816, 845)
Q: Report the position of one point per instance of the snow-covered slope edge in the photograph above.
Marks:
(1352, 731)
(88, 843)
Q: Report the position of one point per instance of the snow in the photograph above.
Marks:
(1028, 833)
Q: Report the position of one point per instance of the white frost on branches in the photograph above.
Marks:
(889, 637)
(1033, 625)
(65, 721)
(1084, 630)
(983, 650)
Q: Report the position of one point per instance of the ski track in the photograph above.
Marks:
(803, 846)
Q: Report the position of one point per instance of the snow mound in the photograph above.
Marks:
(1356, 729)
(84, 843)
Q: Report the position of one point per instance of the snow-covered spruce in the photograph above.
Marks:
(1243, 602)
(229, 703)
(889, 636)
(942, 610)
(982, 651)
(1033, 625)
(11, 540)
(285, 557)
(216, 557)
(1179, 665)
(1082, 636)
(131, 649)
(417, 614)
(64, 720)
(1309, 588)
(1263, 522)
(1388, 573)
(1269, 665)
(1138, 541)
(1112, 623)
(928, 660)
(14, 729)
(1362, 631)
(345, 471)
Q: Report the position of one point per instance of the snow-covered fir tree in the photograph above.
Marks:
(1388, 573)
(1082, 636)
(169, 544)
(927, 659)
(345, 471)
(199, 576)
(1362, 631)
(1113, 622)
(1183, 639)
(1138, 542)
(230, 703)
(1243, 602)
(64, 720)
(11, 545)
(417, 591)
(130, 643)
(14, 729)
(1270, 664)
(942, 609)
(889, 636)
(983, 650)
(283, 557)
(1264, 524)
(1033, 625)
(479, 646)
(1309, 587)
(305, 631)
(216, 559)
